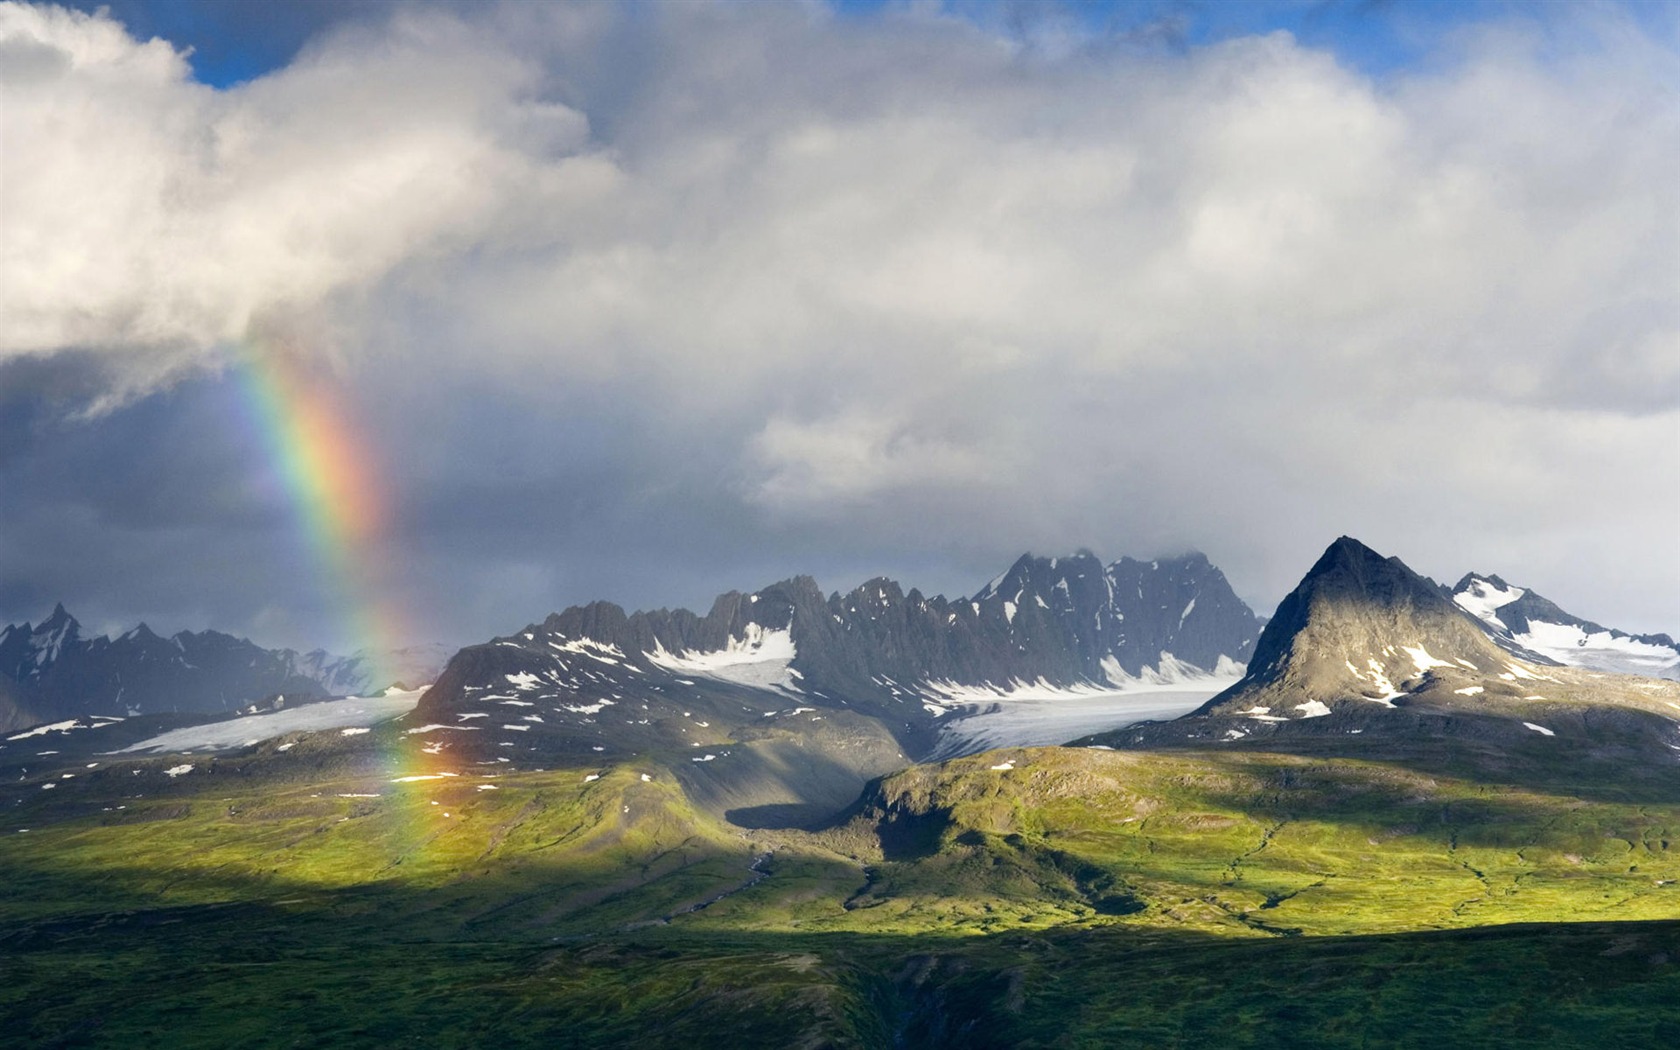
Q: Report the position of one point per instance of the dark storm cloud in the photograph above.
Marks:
(164, 510)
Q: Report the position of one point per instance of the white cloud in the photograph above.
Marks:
(156, 218)
(1243, 296)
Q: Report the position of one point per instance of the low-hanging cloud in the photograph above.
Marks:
(905, 277)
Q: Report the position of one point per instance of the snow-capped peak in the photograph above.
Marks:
(1482, 597)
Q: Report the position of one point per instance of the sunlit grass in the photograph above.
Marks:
(1080, 898)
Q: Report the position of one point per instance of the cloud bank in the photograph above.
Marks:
(764, 287)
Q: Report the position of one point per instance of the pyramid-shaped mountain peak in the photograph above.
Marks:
(1359, 627)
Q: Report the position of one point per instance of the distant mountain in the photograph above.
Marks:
(1367, 657)
(50, 672)
(366, 670)
(1525, 620)
(877, 665)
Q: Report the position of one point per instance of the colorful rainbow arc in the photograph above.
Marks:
(331, 478)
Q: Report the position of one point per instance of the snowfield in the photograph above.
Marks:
(354, 712)
(1039, 721)
(1599, 651)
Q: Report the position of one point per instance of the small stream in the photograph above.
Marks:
(759, 873)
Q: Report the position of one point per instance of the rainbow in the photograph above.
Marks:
(333, 483)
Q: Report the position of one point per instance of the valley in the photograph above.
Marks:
(689, 831)
(1078, 896)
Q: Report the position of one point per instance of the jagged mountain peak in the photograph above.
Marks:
(1036, 574)
(1471, 579)
(876, 650)
(59, 623)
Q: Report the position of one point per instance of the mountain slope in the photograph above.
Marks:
(1366, 657)
(1525, 619)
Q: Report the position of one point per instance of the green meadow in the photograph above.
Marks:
(1077, 898)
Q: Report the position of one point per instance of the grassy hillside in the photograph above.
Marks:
(1076, 898)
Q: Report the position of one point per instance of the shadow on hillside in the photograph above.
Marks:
(1616, 755)
(362, 968)
(597, 944)
(805, 816)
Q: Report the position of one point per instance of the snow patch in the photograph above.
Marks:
(760, 659)
(53, 728)
(586, 709)
(1539, 729)
(605, 652)
(1421, 658)
(176, 771)
(1313, 709)
(1470, 690)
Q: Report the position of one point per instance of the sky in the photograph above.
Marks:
(356, 321)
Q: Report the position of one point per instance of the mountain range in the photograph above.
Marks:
(805, 697)
(50, 671)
